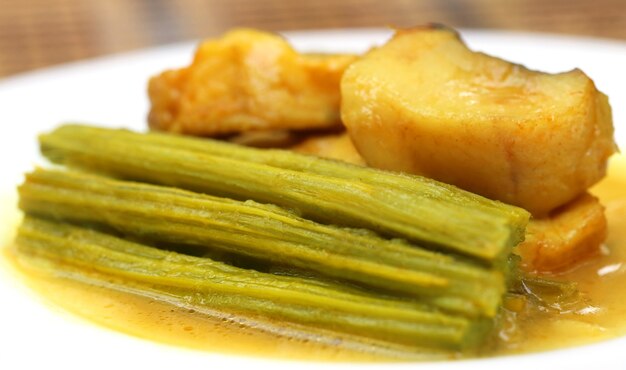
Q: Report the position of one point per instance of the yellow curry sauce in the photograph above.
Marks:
(601, 280)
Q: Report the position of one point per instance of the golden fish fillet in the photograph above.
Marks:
(248, 80)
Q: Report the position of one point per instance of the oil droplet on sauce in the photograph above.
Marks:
(601, 279)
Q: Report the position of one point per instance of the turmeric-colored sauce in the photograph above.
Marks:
(601, 281)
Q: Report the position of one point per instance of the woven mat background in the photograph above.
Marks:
(39, 33)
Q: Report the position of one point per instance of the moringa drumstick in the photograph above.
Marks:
(203, 282)
(268, 233)
(410, 207)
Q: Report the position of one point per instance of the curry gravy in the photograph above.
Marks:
(601, 281)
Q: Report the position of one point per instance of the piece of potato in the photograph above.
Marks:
(266, 139)
(334, 146)
(248, 80)
(568, 235)
(426, 104)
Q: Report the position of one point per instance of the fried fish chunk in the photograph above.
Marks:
(426, 104)
(248, 81)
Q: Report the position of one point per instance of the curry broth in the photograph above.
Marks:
(600, 279)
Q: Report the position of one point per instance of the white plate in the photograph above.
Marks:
(112, 91)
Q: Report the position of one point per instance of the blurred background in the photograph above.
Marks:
(40, 33)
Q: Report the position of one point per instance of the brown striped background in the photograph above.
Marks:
(39, 33)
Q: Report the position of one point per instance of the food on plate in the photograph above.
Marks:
(308, 242)
(248, 80)
(267, 233)
(568, 235)
(424, 103)
(411, 207)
